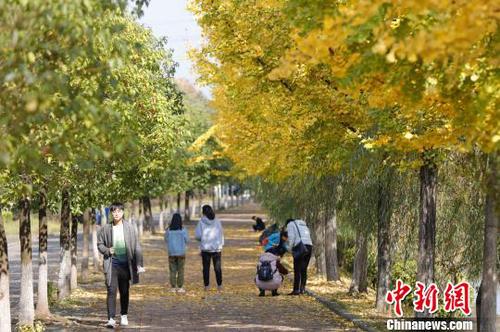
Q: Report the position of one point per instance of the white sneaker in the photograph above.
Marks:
(173, 290)
(181, 290)
(124, 320)
(111, 323)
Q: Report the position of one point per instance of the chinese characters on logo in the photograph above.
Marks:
(456, 297)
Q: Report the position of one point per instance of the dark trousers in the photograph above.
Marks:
(120, 279)
(216, 258)
(300, 271)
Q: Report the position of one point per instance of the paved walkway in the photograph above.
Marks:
(237, 308)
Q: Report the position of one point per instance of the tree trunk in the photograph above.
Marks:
(95, 251)
(360, 266)
(490, 254)
(85, 249)
(65, 254)
(42, 304)
(74, 251)
(148, 214)
(427, 226)
(135, 215)
(160, 217)
(213, 197)
(133, 208)
(160, 202)
(171, 204)
(219, 194)
(141, 218)
(332, 263)
(161, 222)
(194, 204)
(104, 216)
(179, 202)
(319, 246)
(384, 213)
(187, 212)
(231, 197)
(26, 303)
(5, 323)
(224, 197)
(200, 203)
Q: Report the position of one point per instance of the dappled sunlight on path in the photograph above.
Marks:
(154, 308)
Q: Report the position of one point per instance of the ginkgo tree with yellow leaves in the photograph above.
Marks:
(301, 83)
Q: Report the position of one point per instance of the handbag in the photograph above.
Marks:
(299, 250)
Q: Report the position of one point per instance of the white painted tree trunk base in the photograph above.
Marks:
(74, 277)
(5, 323)
(42, 305)
(26, 302)
(64, 280)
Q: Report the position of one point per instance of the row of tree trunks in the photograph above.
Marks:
(42, 305)
(26, 304)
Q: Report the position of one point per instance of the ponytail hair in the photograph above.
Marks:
(208, 212)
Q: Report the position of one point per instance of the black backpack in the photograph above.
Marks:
(265, 271)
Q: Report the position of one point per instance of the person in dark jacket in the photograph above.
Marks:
(260, 225)
(119, 244)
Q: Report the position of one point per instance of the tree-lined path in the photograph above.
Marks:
(154, 307)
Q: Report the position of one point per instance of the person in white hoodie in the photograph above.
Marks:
(298, 231)
(211, 236)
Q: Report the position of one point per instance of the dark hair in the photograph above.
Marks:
(289, 221)
(254, 217)
(176, 223)
(115, 206)
(284, 234)
(208, 212)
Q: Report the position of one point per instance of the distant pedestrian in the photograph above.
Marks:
(260, 225)
(176, 238)
(211, 236)
(300, 245)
